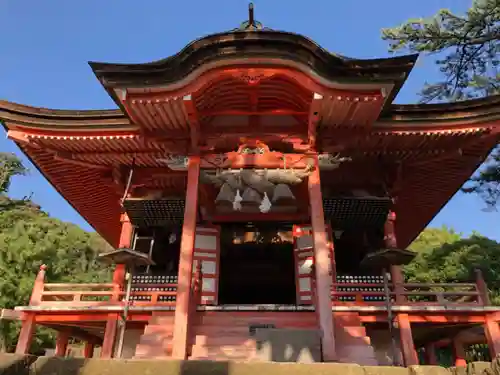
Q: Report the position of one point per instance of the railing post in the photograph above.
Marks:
(492, 333)
(29, 319)
(38, 287)
(118, 284)
(397, 281)
(196, 287)
(62, 343)
(430, 355)
(88, 351)
(482, 288)
(390, 239)
(459, 352)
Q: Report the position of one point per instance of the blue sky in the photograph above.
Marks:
(46, 45)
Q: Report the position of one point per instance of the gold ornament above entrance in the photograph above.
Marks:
(255, 154)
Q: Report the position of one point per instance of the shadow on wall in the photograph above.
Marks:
(302, 346)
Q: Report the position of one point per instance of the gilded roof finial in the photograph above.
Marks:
(251, 20)
(251, 24)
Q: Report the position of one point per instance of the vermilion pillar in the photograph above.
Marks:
(459, 353)
(182, 304)
(88, 351)
(322, 265)
(26, 334)
(430, 355)
(492, 332)
(118, 283)
(62, 343)
(28, 321)
(390, 241)
(407, 346)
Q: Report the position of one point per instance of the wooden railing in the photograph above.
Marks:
(413, 293)
(346, 293)
(373, 293)
(99, 294)
(195, 300)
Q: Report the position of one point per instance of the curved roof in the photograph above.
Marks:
(82, 152)
(251, 43)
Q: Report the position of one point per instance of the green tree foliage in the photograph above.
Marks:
(468, 47)
(30, 238)
(443, 256)
(467, 51)
(10, 166)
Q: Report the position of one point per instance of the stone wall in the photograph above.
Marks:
(11, 364)
(130, 340)
(382, 345)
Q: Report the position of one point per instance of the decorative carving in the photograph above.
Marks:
(252, 79)
(175, 162)
(219, 159)
(252, 76)
(253, 150)
(329, 161)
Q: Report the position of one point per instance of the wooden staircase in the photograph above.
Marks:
(156, 341)
(351, 342)
(226, 335)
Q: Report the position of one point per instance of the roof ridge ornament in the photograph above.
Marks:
(251, 24)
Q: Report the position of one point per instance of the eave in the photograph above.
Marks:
(45, 119)
(260, 48)
(465, 113)
(65, 144)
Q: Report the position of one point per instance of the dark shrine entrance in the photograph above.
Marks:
(257, 265)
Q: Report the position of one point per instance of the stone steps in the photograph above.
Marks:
(351, 342)
(156, 341)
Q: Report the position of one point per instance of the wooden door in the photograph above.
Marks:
(304, 259)
(207, 251)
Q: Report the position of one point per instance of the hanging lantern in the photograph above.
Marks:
(237, 201)
(226, 195)
(265, 205)
(251, 196)
(283, 194)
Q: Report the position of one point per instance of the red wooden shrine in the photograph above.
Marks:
(250, 185)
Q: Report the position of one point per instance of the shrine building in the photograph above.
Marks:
(260, 193)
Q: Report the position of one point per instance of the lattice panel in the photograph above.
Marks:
(154, 212)
(351, 211)
(154, 279)
(350, 279)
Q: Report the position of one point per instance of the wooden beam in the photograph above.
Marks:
(250, 132)
(62, 342)
(407, 346)
(108, 342)
(182, 304)
(88, 351)
(430, 355)
(194, 125)
(125, 238)
(246, 217)
(447, 318)
(118, 284)
(26, 334)
(69, 158)
(312, 123)
(322, 265)
(492, 332)
(254, 112)
(8, 314)
(459, 353)
(18, 136)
